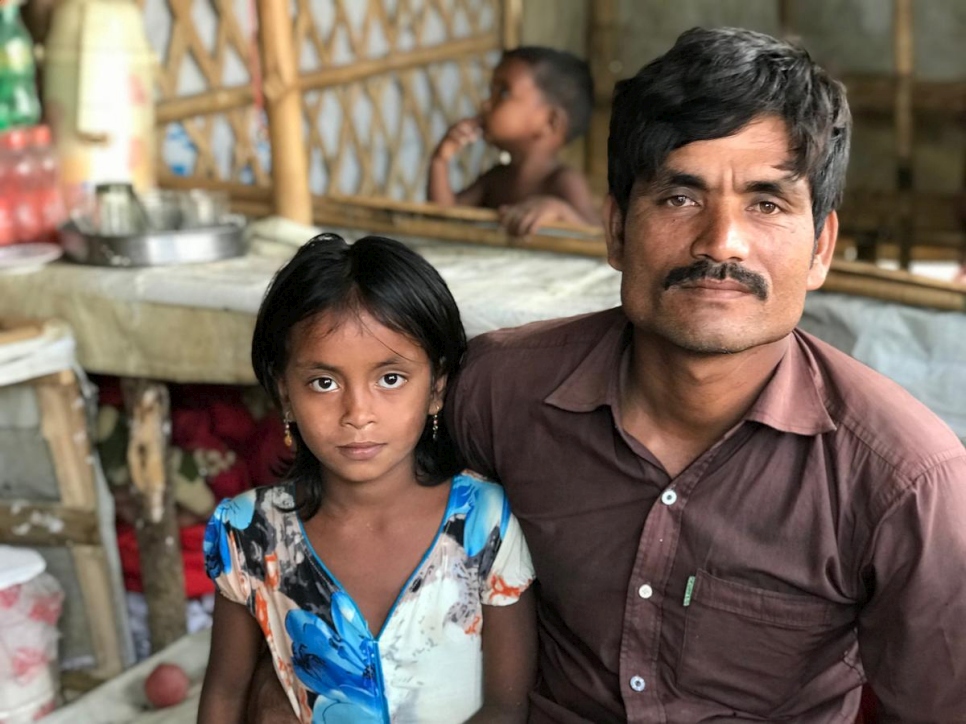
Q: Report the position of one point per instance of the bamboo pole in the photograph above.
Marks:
(868, 280)
(603, 48)
(875, 95)
(47, 524)
(786, 17)
(396, 62)
(474, 226)
(904, 66)
(290, 175)
(959, 209)
(511, 23)
(236, 189)
(450, 213)
(217, 100)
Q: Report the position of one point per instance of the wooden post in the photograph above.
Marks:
(904, 64)
(603, 54)
(290, 175)
(159, 542)
(512, 23)
(786, 17)
(64, 427)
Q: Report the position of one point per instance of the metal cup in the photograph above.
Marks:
(117, 210)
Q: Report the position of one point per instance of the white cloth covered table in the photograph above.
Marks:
(121, 700)
(193, 323)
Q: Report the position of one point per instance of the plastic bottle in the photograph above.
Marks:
(8, 231)
(98, 90)
(19, 99)
(49, 197)
(22, 184)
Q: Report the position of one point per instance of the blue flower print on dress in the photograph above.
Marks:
(238, 513)
(481, 504)
(345, 679)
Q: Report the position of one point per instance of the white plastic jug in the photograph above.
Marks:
(30, 605)
(98, 91)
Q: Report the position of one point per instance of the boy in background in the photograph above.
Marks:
(540, 100)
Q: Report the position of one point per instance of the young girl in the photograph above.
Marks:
(388, 585)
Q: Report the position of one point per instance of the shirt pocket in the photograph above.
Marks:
(752, 649)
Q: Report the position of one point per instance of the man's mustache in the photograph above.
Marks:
(705, 269)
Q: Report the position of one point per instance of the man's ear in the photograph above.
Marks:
(614, 233)
(824, 249)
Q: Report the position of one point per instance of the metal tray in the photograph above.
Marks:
(155, 248)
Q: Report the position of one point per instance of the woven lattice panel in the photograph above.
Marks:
(383, 81)
(210, 127)
(380, 81)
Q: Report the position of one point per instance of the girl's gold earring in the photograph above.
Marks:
(435, 426)
(288, 439)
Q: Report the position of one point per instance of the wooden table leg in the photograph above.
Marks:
(159, 541)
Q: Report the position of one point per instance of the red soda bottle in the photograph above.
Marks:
(8, 230)
(48, 194)
(22, 185)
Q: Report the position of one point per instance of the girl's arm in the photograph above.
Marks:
(236, 641)
(509, 660)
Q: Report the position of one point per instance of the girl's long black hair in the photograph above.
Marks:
(396, 286)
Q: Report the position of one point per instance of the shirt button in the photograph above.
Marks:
(645, 591)
(637, 683)
(669, 497)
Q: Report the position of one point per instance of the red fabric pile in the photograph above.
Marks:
(231, 451)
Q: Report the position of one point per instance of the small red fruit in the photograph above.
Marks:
(167, 685)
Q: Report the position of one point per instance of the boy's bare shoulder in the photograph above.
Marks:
(565, 177)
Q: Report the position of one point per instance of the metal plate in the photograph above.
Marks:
(155, 248)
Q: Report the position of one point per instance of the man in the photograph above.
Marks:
(728, 518)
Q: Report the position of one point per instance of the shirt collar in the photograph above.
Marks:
(792, 401)
(595, 380)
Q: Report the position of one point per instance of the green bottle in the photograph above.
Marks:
(19, 101)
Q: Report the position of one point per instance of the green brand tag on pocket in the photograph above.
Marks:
(687, 591)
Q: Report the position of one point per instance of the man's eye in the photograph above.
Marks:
(677, 201)
(323, 384)
(768, 207)
(392, 380)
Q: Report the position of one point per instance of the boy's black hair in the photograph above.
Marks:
(565, 81)
(395, 285)
(711, 84)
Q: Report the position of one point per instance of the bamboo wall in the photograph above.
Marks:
(904, 65)
(351, 94)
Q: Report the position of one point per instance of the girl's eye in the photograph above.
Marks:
(392, 380)
(323, 384)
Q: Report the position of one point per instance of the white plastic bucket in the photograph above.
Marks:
(30, 605)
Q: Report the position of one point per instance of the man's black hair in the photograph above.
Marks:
(711, 84)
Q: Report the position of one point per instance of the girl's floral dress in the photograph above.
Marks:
(426, 663)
